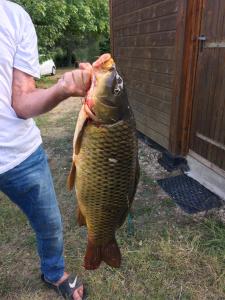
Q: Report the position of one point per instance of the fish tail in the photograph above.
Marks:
(71, 177)
(111, 254)
(93, 258)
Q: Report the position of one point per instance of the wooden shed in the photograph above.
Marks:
(171, 54)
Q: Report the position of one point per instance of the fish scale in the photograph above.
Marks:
(102, 204)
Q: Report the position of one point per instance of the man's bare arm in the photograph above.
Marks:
(28, 101)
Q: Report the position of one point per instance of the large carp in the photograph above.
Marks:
(105, 166)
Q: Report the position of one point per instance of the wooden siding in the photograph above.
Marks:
(208, 117)
(143, 42)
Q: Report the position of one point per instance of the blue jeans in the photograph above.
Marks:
(30, 186)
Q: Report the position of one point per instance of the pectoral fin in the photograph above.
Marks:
(81, 122)
(80, 217)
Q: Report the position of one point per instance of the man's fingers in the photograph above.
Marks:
(85, 66)
(86, 78)
(82, 80)
(103, 58)
(76, 83)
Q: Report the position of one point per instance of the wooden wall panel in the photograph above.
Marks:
(144, 40)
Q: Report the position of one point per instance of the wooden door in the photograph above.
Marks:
(208, 116)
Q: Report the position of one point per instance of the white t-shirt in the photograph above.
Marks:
(18, 49)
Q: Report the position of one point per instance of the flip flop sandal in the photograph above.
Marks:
(66, 288)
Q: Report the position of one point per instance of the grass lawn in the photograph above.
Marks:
(171, 255)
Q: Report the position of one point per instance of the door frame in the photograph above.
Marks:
(187, 51)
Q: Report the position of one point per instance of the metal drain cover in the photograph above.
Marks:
(189, 194)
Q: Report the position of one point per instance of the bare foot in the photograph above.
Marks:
(78, 293)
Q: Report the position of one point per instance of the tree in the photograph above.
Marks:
(67, 23)
(87, 19)
(50, 19)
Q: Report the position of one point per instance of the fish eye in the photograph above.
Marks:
(119, 80)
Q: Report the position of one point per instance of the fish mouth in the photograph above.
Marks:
(103, 64)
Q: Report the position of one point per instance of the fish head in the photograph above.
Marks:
(106, 98)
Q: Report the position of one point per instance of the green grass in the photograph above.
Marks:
(213, 241)
(170, 255)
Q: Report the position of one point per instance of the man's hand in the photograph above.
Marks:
(75, 83)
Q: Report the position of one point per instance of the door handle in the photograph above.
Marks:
(202, 40)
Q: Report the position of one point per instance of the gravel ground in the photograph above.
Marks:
(148, 158)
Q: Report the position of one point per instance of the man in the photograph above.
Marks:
(24, 173)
